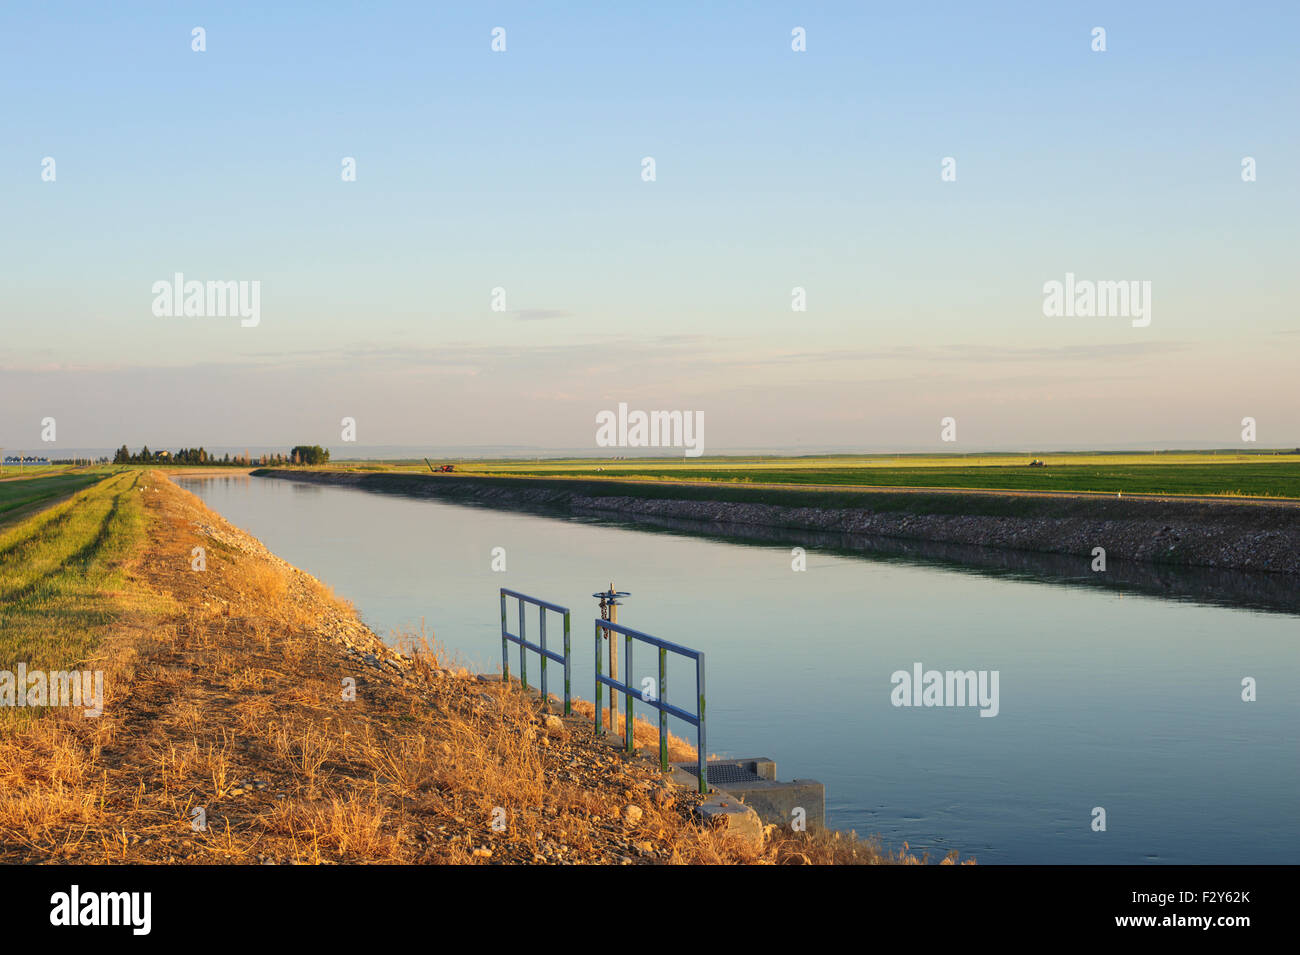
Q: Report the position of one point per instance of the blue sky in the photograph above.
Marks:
(775, 169)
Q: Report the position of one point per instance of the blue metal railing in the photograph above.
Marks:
(660, 701)
(507, 638)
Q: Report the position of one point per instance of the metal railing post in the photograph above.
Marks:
(599, 731)
(701, 755)
(568, 706)
(523, 651)
(505, 644)
(613, 675)
(541, 612)
(629, 737)
(663, 713)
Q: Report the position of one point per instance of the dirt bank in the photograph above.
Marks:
(1225, 535)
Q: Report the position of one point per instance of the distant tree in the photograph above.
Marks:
(310, 454)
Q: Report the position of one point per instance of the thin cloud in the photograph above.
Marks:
(540, 314)
(975, 353)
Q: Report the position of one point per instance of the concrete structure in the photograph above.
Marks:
(723, 811)
(753, 782)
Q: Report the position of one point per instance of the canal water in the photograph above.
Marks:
(1105, 698)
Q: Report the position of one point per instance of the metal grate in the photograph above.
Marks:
(723, 773)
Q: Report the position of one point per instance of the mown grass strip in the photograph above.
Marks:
(58, 571)
(16, 495)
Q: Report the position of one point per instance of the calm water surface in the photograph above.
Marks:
(1125, 702)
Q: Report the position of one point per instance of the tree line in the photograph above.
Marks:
(305, 454)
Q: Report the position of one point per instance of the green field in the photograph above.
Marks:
(23, 495)
(1232, 474)
(30, 470)
(58, 571)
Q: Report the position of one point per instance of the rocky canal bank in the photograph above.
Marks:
(1224, 535)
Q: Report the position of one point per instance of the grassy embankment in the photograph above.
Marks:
(224, 696)
(1229, 474)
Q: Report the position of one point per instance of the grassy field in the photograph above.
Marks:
(23, 495)
(58, 571)
(1264, 474)
(10, 471)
